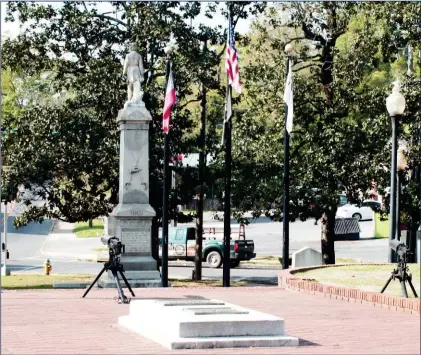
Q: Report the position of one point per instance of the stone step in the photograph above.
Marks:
(173, 342)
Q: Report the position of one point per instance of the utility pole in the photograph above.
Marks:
(202, 164)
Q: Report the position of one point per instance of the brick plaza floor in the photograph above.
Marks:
(61, 322)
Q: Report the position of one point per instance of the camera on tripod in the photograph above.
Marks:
(401, 272)
(400, 248)
(114, 245)
(115, 249)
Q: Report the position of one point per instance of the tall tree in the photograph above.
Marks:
(341, 131)
(71, 149)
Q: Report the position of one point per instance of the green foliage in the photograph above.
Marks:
(341, 131)
(69, 147)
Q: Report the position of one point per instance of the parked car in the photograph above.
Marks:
(182, 246)
(363, 212)
(313, 209)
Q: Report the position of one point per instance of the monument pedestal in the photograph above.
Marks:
(131, 219)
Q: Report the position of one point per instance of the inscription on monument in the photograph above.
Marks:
(136, 240)
(136, 213)
(135, 224)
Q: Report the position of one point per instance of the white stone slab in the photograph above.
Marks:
(306, 257)
(171, 342)
(204, 324)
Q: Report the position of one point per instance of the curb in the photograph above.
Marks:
(63, 285)
(288, 279)
(77, 257)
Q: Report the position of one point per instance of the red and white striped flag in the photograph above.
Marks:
(170, 100)
(231, 61)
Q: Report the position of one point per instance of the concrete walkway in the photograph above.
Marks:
(63, 243)
(61, 322)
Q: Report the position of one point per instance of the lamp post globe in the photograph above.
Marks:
(288, 48)
(395, 102)
(168, 50)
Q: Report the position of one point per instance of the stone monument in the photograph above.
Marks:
(131, 219)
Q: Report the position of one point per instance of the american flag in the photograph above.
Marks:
(231, 61)
(170, 100)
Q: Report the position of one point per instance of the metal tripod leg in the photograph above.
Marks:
(404, 291)
(126, 282)
(93, 283)
(121, 295)
(387, 284)
(412, 288)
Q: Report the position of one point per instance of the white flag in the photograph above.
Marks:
(288, 98)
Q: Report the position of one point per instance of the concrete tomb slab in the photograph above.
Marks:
(204, 324)
(219, 310)
(192, 303)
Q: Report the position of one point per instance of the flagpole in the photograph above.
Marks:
(165, 193)
(228, 161)
(285, 219)
(227, 197)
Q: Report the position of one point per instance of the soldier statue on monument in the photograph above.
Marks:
(133, 68)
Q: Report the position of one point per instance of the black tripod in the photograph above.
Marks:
(113, 264)
(401, 273)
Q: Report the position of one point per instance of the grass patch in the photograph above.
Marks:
(216, 283)
(267, 257)
(347, 261)
(370, 278)
(30, 281)
(82, 229)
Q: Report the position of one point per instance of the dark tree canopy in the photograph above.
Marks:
(70, 148)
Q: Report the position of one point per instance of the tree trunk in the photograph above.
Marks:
(327, 68)
(328, 237)
(90, 223)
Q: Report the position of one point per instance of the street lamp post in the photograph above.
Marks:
(5, 271)
(285, 220)
(395, 104)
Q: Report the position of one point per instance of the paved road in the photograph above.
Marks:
(26, 256)
(43, 228)
(267, 236)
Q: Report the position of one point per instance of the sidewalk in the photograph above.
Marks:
(61, 322)
(63, 243)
